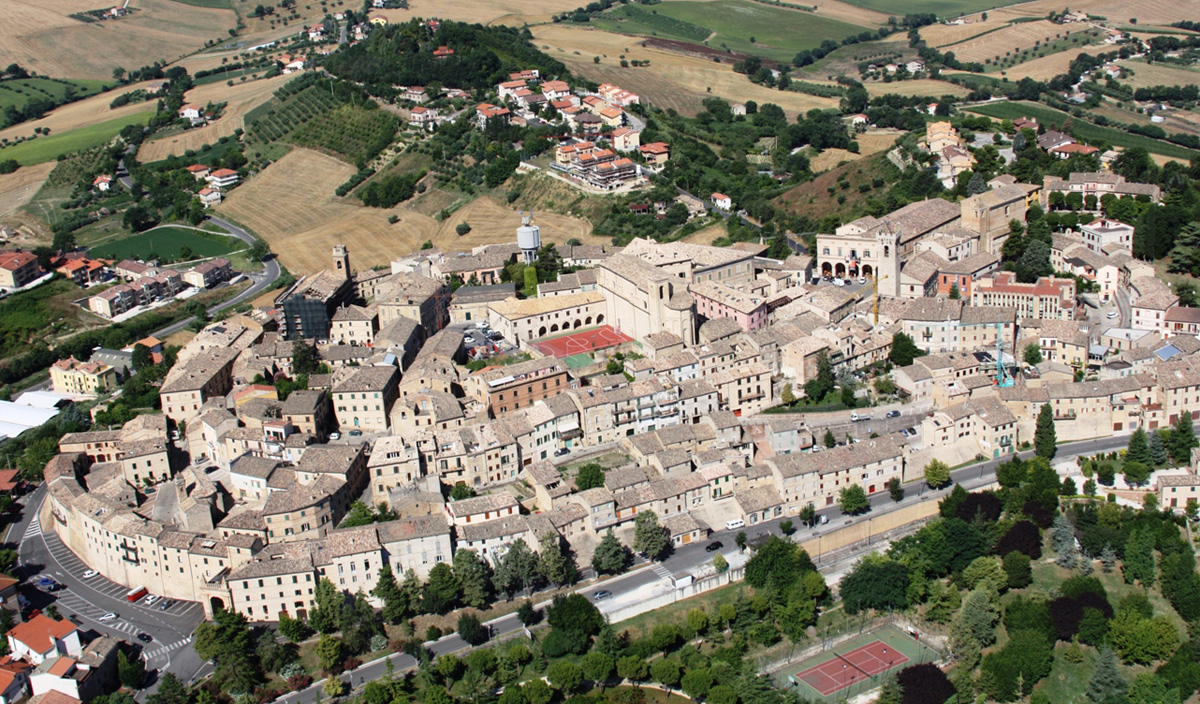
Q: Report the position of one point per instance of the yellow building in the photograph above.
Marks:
(70, 376)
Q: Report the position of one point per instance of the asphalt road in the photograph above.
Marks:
(262, 280)
(695, 554)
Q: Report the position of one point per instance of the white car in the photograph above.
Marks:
(482, 325)
(89, 574)
(335, 435)
(110, 616)
(839, 282)
(1112, 314)
(862, 280)
(151, 599)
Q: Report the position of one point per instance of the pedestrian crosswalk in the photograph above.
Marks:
(662, 571)
(33, 530)
(164, 649)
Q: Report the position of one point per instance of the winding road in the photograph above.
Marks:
(262, 280)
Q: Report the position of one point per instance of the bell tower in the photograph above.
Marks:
(341, 260)
(888, 274)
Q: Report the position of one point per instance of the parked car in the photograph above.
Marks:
(110, 616)
(1112, 314)
(855, 416)
(714, 546)
(145, 637)
(862, 280)
(601, 594)
(89, 574)
(839, 282)
(166, 605)
(335, 435)
(893, 414)
(562, 451)
(151, 600)
(355, 433)
(482, 325)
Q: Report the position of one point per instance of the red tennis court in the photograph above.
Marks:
(852, 667)
(580, 342)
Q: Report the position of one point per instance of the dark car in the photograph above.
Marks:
(601, 594)
(355, 433)
(893, 414)
(145, 637)
(563, 451)
(714, 546)
(166, 605)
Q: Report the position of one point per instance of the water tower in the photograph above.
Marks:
(529, 238)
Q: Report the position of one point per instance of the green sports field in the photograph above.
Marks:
(166, 241)
(42, 149)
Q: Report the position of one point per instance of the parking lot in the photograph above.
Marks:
(86, 600)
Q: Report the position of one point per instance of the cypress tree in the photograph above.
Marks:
(1045, 440)
(1139, 448)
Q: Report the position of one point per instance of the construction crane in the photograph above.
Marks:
(1003, 378)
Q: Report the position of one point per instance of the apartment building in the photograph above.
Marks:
(363, 400)
(70, 376)
(1049, 298)
(189, 384)
(504, 389)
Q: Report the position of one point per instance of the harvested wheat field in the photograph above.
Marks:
(1014, 37)
(39, 35)
(1162, 12)
(1048, 67)
(941, 35)
(81, 113)
(1145, 74)
(921, 86)
(18, 187)
(671, 81)
(292, 205)
(242, 98)
(707, 235)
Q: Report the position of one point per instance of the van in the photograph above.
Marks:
(734, 524)
(824, 519)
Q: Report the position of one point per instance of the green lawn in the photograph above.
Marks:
(778, 32)
(166, 241)
(1081, 128)
(941, 8)
(43, 149)
(18, 92)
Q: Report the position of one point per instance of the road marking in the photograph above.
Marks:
(34, 529)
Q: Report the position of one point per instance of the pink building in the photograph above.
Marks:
(716, 300)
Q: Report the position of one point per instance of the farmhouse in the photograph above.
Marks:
(17, 268)
(722, 201)
(209, 197)
(223, 178)
(103, 182)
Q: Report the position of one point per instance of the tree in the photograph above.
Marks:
(170, 691)
(610, 557)
(293, 629)
(1142, 640)
(536, 691)
(1182, 438)
(473, 578)
(904, 350)
(565, 676)
(808, 515)
(590, 476)
(977, 618)
(1033, 354)
(597, 666)
(823, 382)
(895, 489)
(226, 640)
(471, 630)
(665, 671)
(852, 500)
(573, 621)
(829, 440)
(986, 570)
(778, 563)
(531, 282)
(517, 570)
(1018, 570)
(1139, 558)
(787, 396)
(1158, 450)
(333, 687)
(937, 474)
(633, 668)
(329, 652)
(142, 357)
(1136, 473)
(649, 537)
(1062, 539)
(555, 564)
(1139, 448)
(1045, 440)
(304, 358)
(130, 671)
(462, 228)
(395, 606)
(441, 593)
(696, 682)
(977, 184)
(720, 564)
(327, 607)
(876, 582)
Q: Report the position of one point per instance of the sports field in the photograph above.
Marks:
(858, 665)
(165, 241)
(580, 342)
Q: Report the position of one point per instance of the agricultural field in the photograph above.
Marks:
(18, 92)
(42, 149)
(868, 143)
(1082, 129)
(39, 35)
(18, 188)
(1013, 38)
(80, 113)
(165, 241)
(672, 81)
(941, 8)
(922, 86)
(357, 134)
(1146, 12)
(241, 99)
(813, 198)
(292, 206)
(1158, 74)
(940, 35)
(1047, 67)
(778, 32)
